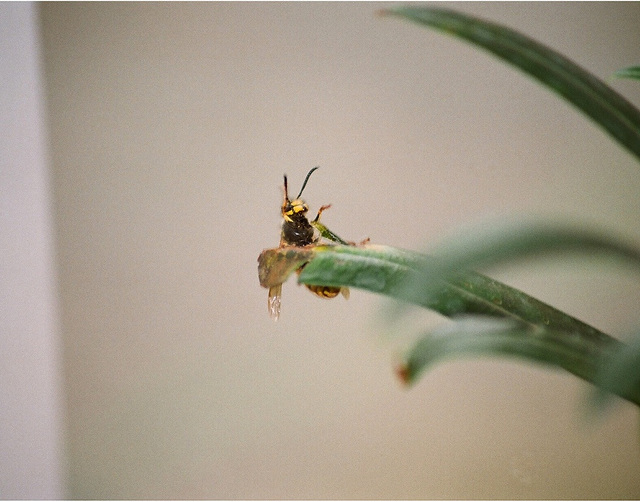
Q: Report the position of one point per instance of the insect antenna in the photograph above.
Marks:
(305, 181)
(286, 193)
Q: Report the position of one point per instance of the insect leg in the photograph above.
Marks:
(324, 231)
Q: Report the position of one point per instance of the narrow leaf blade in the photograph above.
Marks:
(482, 336)
(629, 72)
(622, 375)
(590, 94)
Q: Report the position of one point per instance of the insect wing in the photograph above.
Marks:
(274, 302)
(276, 265)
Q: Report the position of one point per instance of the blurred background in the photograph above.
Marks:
(144, 151)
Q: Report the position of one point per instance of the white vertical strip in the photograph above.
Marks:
(31, 465)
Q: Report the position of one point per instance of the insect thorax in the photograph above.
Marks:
(297, 231)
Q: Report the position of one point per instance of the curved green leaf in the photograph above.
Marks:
(473, 336)
(500, 240)
(498, 243)
(386, 270)
(428, 282)
(608, 108)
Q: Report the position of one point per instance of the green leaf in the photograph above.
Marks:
(387, 270)
(605, 106)
(497, 243)
(629, 72)
(622, 374)
(487, 336)
(585, 345)
(445, 285)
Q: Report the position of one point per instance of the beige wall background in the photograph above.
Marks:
(171, 126)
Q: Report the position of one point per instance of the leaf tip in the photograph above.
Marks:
(384, 12)
(403, 372)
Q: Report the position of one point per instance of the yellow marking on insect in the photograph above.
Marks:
(298, 206)
(326, 292)
(329, 291)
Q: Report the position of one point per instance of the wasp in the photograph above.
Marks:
(297, 230)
